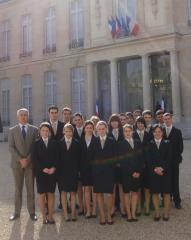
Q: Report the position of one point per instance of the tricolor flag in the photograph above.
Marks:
(97, 108)
(112, 26)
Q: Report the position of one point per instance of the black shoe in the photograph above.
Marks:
(157, 219)
(134, 219)
(165, 219)
(94, 216)
(33, 217)
(110, 222)
(129, 220)
(52, 221)
(14, 217)
(88, 216)
(74, 219)
(178, 206)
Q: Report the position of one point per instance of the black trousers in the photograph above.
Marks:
(175, 183)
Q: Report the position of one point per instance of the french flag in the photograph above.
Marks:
(97, 108)
(112, 26)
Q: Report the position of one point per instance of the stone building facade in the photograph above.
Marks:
(64, 52)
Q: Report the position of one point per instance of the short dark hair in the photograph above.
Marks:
(114, 118)
(159, 112)
(140, 119)
(138, 111)
(78, 114)
(67, 109)
(148, 112)
(88, 122)
(155, 126)
(45, 124)
(168, 114)
(129, 114)
(53, 107)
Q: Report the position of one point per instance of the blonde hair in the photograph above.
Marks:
(127, 126)
(68, 126)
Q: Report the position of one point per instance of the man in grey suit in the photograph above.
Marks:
(21, 139)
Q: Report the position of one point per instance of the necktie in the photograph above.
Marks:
(46, 142)
(102, 143)
(131, 143)
(141, 136)
(158, 144)
(68, 144)
(167, 131)
(54, 127)
(115, 134)
(79, 132)
(23, 132)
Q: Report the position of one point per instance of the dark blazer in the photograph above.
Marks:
(87, 153)
(159, 157)
(131, 158)
(176, 141)
(76, 135)
(120, 137)
(45, 157)
(59, 132)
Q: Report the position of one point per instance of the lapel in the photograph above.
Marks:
(19, 134)
(171, 132)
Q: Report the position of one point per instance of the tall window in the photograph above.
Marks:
(26, 83)
(76, 23)
(78, 90)
(5, 102)
(26, 36)
(50, 31)
(50, 89)
(126, 18)
(5, 41)
(189, 12)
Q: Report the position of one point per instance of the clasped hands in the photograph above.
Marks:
(24, 162)
(49, 171)
(136, 175)
(159, 171)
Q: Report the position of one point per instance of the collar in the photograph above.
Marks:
(138, 131)
(81, 128)
(103, 138)
(45, 139)
(21, 125)
(129, 140)
(52, 123)
(159, 141)
(170, 127)
(68, 139)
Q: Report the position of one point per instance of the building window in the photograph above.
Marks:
(26, 36)
(126, 18)
(50, 90)
(5, 102)
(5, 42)
(76, 24)
(78, 90)
(50, 31)
(3, 1)
(189, 12)
(26, 83)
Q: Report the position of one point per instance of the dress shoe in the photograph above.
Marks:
(33, 217)
(94, 216)
(45, 221)
(51, 221)
(165, 219)
(14, 217)
(80, 213)
(74, 219)
(134, 219)
(88, 216)
(157, 219)
(129, 219)
(178, 206)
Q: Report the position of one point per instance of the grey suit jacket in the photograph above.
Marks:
(20, 147)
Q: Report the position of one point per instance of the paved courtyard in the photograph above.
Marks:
(178, 228)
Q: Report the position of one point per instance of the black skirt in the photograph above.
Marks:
(129, 183)
(45, 183)
(86, 176)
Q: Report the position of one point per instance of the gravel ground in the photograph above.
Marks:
(178, 228)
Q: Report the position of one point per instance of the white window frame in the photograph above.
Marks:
(26, 83)
(50, 86)
(5, 41)
(26, 35)
(5, 101)
(78, 78)
(77, 34)
(50, 31)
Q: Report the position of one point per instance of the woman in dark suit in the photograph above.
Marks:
(116, 132)
(88, 143)
(45, 157)
(131, 162)
(69, 169)
(159, 160)
(103, 170)
(144, 137)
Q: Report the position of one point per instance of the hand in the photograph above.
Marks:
(158, 171)
(136, 175)
(46, 170)
(51, 171)
(24, 162)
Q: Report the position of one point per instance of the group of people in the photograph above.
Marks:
(120, 165)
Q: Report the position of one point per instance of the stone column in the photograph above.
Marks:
(90, 89)
(146, 83)
(114, 86)
(175, 79)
